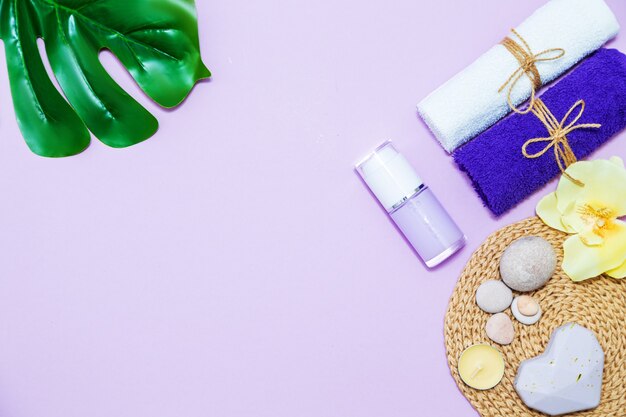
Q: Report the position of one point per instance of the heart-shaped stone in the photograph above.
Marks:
(567, 377)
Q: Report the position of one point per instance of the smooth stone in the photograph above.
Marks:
(567, 377)
(527, 305)
(493, 296)
(528, 263)
(522, 318)
(500, 329)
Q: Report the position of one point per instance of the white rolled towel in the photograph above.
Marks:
(470, 102)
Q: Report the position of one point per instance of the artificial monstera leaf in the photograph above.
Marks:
(156, 40)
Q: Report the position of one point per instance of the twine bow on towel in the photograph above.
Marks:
(527, 60)
(558, 135)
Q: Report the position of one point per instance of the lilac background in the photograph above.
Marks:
(234, 265)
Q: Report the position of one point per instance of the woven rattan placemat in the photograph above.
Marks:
(598, 304)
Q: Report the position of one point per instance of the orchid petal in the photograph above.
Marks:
(547, 211)
(567, 191)
(591, 238)
(582, 262)
(619, 272)
(617, 161)
(573, 221)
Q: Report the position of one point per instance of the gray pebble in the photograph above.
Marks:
(493, 296)
(528, 263)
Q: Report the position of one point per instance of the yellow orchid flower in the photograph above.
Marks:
(591, 214)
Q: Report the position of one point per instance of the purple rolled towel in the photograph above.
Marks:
(501, 174)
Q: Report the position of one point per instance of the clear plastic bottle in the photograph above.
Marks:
(412, 205)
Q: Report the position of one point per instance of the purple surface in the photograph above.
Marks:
(235, 265)
(503, 176)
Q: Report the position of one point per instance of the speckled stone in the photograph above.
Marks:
(500, 329)
(493, 296)
(528, 263)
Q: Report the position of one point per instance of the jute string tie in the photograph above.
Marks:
(528, 66)
(558, 132)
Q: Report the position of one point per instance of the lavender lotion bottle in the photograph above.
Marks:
(411, 204)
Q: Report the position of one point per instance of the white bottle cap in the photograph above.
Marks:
(389, 175)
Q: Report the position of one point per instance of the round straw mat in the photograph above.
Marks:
(598, 304)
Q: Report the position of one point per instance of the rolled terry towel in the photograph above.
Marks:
(469, 103)
(494, 161)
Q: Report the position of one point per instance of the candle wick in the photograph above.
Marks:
(476, 371)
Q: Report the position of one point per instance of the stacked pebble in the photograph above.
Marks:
(526, 310)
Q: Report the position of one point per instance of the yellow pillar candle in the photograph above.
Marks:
(481, 367)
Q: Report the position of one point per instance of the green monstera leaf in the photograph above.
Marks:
(156, 40)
